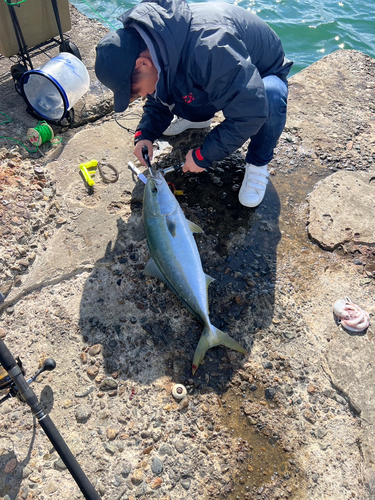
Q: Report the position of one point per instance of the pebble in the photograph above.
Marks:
(156, 483)
(112, 433)
(183, 404)
(9, 466)
(156, 466)
(185, 483)
(85, 392)
(180, 446)
(309, 416)
(82, 413)
(95, 349)
(24, 492)
(340, 399)
(51, 487)
(92, 371)
(126, 469)
(110, 448)
(137, 477)
(107, 384)
(141, 490)
(321, 432)
(324, 446)
(59, 464)
(166, 449)
(289, 335)
(270, 393)
(267, 365)
(26, 472)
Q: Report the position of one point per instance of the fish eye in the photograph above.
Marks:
(154, 189)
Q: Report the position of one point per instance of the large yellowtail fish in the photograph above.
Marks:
(175, 260)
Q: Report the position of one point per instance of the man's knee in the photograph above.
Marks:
(277, 93)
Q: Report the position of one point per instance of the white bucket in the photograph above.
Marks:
(53, 88)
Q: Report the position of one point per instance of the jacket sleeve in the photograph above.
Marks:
(234, 86)
(155, 119)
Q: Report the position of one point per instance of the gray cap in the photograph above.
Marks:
(116, 54)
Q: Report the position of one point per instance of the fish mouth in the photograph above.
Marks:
(157, 177)
(157, 180)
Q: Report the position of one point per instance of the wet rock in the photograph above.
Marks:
(10, 465)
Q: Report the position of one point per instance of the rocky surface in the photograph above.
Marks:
(291, 420)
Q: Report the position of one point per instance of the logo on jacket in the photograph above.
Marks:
(188, 98)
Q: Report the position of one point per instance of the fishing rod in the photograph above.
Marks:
(12, 379)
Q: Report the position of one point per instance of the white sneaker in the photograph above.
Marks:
(253, 186)
(178, 125)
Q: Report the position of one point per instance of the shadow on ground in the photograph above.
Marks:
(144, 330)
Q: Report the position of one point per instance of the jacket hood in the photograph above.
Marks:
(167, 23)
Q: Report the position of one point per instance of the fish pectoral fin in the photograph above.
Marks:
(194, 228)
(209, 279)
(171, 225)
(152, 269)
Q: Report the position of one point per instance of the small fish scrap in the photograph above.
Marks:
(350, 316)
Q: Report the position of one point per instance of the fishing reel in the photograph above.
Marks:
(7, 384)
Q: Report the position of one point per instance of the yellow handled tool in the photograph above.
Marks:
(84, 167)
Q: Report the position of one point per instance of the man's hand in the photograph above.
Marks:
(190, 165)
(138, 150)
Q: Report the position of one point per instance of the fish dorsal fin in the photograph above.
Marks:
(171, 225)
(152, 269)
(194, 228)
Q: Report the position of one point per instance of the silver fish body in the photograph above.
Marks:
(175, 260)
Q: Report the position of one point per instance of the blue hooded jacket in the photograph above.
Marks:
(212, 57)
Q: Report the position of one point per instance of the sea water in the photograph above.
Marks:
(309, 29)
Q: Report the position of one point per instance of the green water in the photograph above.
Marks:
(309, 29)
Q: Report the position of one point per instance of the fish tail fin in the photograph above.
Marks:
(212, 337)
